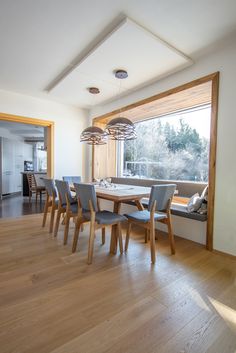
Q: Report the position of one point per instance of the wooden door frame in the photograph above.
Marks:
(214, 78)
(50, 135)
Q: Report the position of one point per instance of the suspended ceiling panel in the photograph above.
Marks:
(129, 46)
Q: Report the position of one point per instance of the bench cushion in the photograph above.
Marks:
(181, 210)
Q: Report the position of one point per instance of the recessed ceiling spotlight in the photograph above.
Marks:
(93, 90)
(121, 74)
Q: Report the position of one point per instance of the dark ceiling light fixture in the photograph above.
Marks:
(93, 135)
(121, 128)
(94, 90)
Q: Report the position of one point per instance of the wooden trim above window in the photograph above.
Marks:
(186, 96)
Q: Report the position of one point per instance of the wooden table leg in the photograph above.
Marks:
(139, 205)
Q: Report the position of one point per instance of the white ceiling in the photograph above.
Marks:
(41, 40)
(151, 59)
(23, 130)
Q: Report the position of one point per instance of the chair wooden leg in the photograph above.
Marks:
(127, 236)
(91, 242)
(119, 235)
(78, 225)
(63, 219)
(171, 236)
(45, 213)
(36, 197)
(113, 240)
(147, 235)
(52, 220)
(152, 242)
(103, 235)
(57, 223)
(66, 229)
(40, 197)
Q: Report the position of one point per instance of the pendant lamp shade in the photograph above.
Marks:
(93, 135)
(121, 129)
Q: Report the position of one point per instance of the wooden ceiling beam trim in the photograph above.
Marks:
(147, 103)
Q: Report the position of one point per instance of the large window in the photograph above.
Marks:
(171, 147)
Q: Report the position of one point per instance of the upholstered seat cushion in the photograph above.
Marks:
(105, 217)
(38, 188)
(181, 210)
(74, 208)
(144, 216)
(56, 201)
(74, 202)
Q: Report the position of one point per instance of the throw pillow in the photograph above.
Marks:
(194, 203)
(204, 194)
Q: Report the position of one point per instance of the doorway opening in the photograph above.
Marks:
(26, 148)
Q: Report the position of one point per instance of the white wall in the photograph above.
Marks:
(223, 59)
(69, 122)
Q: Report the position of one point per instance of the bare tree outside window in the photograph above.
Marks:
(173, 147)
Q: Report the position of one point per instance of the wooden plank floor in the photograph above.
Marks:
(52, 301)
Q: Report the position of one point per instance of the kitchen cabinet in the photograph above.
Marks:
(13, 153)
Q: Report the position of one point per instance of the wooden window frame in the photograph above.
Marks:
(214, 79)
(50, 135)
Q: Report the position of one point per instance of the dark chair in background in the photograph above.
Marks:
(158, 211)
(34, 188)
(51, 202)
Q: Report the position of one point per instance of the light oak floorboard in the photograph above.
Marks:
(51, 301)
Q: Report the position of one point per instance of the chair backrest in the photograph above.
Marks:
(63, 189)
(161, 194)
(84, 193)
(31, 181)
(50, 187)
(72, 179)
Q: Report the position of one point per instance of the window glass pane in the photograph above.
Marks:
(173, 147)
(41, 155)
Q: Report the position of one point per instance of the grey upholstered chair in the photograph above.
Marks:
(72, 179)
(89, 211)
(51, 201)
(158, 211)
(65, 197)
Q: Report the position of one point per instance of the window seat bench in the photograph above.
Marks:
(179, 203)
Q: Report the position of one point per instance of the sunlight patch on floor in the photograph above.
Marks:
(227, 313)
